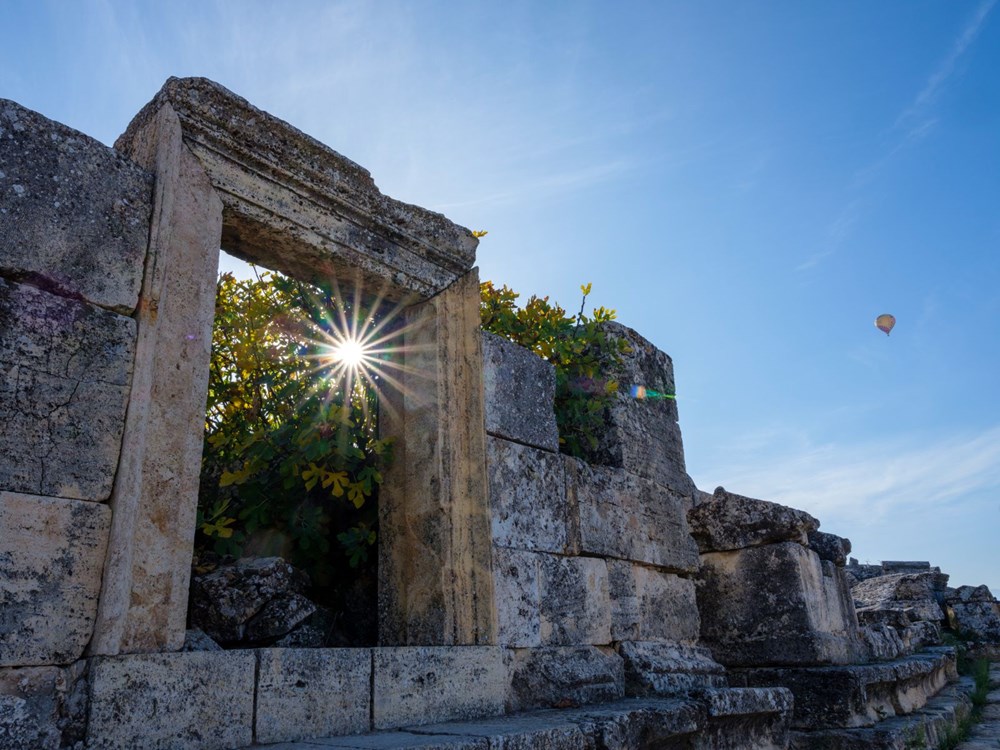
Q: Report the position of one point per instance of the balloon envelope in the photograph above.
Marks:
(885, 323)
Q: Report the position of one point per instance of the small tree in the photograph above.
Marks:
(291, 456)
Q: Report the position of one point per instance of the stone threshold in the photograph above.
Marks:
(710, 719)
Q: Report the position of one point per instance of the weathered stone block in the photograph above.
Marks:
(435, 548)
(527, 497)
(977, 619)
(51, 557)
(575, 601)
(729, 521)
(756, 718)
(227, 601)
(201, 699)
(830, 547)
(262, 167)
(855, 695)
(649, 604)
(398, 741)
(305, 693)
(664, 668)
(520, 393)
(74, 214)
(912, 592)
(625, 516)
(421, 685)
(41, 707)
(776, 604)
(518, 597)
(546, 677)
(65, 368)
(642, 436)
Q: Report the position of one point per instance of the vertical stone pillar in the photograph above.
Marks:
(435, 580)
(143, 605)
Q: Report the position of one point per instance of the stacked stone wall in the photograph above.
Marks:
(74, 223)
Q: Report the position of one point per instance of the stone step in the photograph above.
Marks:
(857, 695)
(923, 728)
(710, 719)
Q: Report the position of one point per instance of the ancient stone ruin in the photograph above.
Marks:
(526, 599)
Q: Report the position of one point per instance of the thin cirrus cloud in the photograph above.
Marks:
(863, 483)
(914, 123)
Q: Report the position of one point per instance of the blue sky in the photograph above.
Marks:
(748, 183)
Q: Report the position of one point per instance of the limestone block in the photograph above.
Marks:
(575, 601)
(520, 393)
(74, 214)
(306, 693)
(51, 557)
(422, 685)
(624, 516)
(729, 521)
(155, 499)
(756, 718)
(518, 597)
(201, 699)
(41, 707)
(262, 168)
(663, 668)
(397, 741)
(546, 677)
(65, 369)
(649, 604)
(912, 592)
(225, 601)
(435, 547)
(775, 604)
(642, 436)
(978, 620)
(830, 547)
(855, 695)
(525, 732)
(527, 497)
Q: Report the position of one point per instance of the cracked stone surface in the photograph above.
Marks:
(65, 369)
(51, 555)
(74, 214)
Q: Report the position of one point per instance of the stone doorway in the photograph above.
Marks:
(229, 175)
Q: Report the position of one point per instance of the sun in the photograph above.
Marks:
(349, 353)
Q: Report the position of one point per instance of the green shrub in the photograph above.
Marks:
(577, 345)
(291, 458)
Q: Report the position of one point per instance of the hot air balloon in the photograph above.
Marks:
(885, 323)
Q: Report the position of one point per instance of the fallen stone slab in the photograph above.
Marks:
(731, 522)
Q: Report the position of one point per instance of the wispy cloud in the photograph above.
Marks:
(914, 123)
(866, 482)
(938, 80)
(837, 233)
